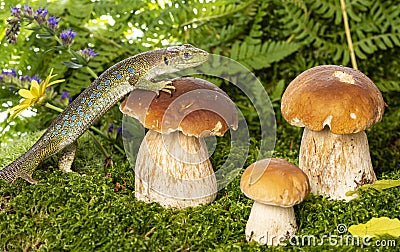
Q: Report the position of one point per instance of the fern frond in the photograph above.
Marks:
(209, 13)
(261, 55)
(328, 10)
(369, 45)
(388, 86)
(74, 12)
(257, 32)
(378, 30)
(374, 26)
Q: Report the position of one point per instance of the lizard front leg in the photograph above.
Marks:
(67, 157)
(155, 86)
(28, 177)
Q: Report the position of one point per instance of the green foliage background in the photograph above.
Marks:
(277, 40)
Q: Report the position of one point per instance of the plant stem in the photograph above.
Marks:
(102, 149)
(58, 40)
(51, 106)
(106, 137)
(119, 149)
(348, 34)
(91, 72)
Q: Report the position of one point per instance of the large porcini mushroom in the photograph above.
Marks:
(172, 165)
(275, 192)
(335, 104)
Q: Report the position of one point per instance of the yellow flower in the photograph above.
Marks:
(34, 95)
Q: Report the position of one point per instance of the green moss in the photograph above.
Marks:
(81, 211)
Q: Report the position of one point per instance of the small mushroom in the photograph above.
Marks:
(335, 104)
(172, 165)
(275, 192)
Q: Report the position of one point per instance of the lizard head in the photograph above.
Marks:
(173, 59)
(184, 56)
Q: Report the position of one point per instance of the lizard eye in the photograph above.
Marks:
(186, 55)
(166, 61)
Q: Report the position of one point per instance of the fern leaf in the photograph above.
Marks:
(261, 56)
(388, 86)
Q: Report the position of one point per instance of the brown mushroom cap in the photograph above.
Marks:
(339, 97)
(282, 183)
(197, 108)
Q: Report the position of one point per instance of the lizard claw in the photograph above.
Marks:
(168, 89)
(28, 178)
(157, 86)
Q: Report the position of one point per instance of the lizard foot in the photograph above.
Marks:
(67, 157)
(156, 86)
(28, 178)
(168, 88)
(164, 86)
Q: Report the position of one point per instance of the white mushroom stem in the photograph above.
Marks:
(270, 224)
(335, 164)
(174, 170)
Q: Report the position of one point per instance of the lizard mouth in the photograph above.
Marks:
(195, 61)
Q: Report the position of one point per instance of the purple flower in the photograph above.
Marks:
(25, 78)
(41, 12)
(87, 53)
(110, 128)
(16, 12)
(28, 11)
(52, 22)
(65, 95)
(28, 78)
(9, 75)
(67, 37)
(119, 130)
(34, 77)
(40, 15)
(9, 72)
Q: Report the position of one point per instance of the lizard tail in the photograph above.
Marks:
(20, 168)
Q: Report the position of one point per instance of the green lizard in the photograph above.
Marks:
(137, 71)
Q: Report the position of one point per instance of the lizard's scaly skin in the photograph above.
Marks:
(135, 72)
